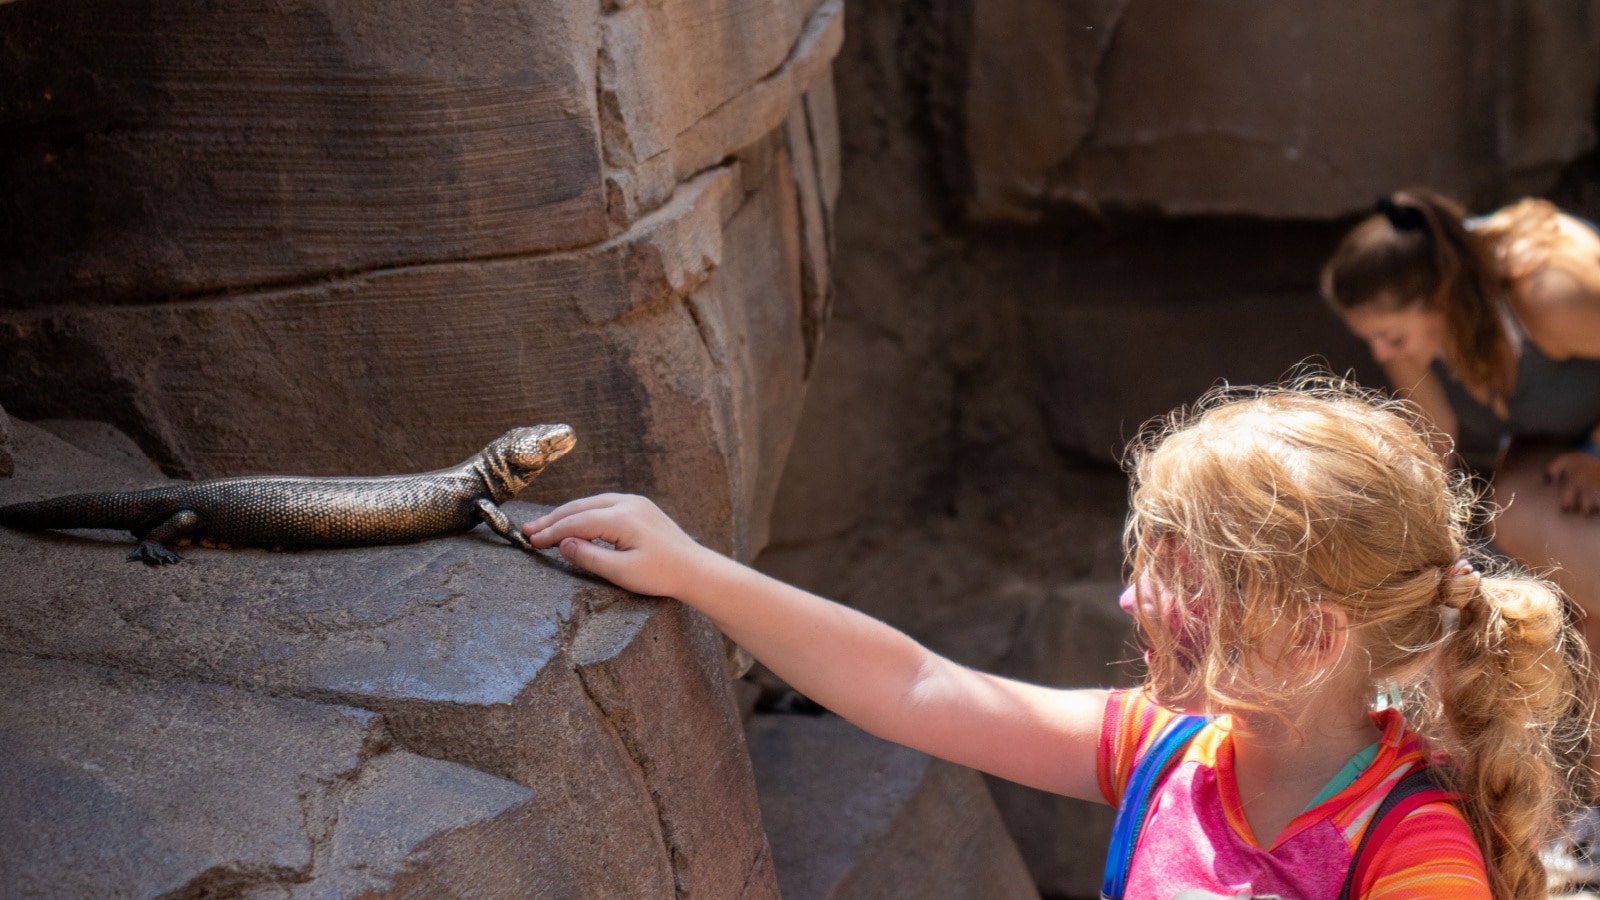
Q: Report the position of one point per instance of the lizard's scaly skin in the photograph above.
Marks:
(288, 510)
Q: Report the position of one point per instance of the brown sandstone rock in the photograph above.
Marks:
(469, 650)
(105, 441)
(368, 245)
(852, 817)
(413, 369)
(190, 149)
(124, 786)
(1076, 636)
(1297, 109)
(7, 464)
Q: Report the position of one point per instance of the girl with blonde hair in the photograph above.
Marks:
(1296, 552)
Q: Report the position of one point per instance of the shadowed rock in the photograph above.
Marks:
(853, 817)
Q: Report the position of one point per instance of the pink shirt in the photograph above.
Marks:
(1196, 835)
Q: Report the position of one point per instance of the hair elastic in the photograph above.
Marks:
(1457, 569)
(1402, 218)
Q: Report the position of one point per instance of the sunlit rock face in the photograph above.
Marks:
(1282, 109)
(319, 239)
(361, 241)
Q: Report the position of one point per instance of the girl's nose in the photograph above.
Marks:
(1128, 599)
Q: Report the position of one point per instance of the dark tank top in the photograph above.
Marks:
(1555, 399)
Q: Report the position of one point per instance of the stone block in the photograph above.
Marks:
(123, 786)
(853, 817)
(105, 441)
(471, 651)
(1297, 109)
(1077, 637)
(1098, 394)
(7, 464)
(686, 748)
(412, 369)
(683, 85)
(190, 149)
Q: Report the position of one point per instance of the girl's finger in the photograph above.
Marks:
(571, 507)
(585, 554)
(599, 522)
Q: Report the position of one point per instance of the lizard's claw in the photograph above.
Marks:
(154, 554)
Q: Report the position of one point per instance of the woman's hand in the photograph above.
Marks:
(649, 553)
(1576, 476)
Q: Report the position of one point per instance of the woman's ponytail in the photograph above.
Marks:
(1469, 293)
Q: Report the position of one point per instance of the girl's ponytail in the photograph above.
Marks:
(1510, 684)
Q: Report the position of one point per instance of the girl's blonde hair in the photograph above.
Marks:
(1259, 504)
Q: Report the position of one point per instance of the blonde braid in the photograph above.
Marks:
(1507, 688)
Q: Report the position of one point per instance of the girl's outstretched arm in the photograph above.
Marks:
(851, 663)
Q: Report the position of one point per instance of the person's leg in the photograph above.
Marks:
(1532, 529)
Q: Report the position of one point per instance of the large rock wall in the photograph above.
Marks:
(444, 719)
(368, 241)
(1285, 109)
(321, 239)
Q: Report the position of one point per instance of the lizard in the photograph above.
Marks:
(292, 510)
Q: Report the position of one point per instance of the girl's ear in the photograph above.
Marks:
(1328, 636)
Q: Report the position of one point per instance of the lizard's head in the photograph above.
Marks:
(526, 451)
(513, 460)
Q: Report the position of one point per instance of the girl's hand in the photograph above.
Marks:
(649, 553)
(1577, 476)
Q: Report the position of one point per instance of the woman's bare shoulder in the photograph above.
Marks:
(1560, 310)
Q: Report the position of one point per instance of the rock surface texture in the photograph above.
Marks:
(449, 718)
(359, 241)
(327, 240)
(852, 817)
(1283, 109)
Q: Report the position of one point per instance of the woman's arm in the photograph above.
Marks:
(856, 666)
(1561, 312)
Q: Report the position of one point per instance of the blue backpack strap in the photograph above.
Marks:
(1159, 759)
(1410, 792)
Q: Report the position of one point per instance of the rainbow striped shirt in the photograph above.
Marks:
(1196, 835)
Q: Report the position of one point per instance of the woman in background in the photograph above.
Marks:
(1491, 325)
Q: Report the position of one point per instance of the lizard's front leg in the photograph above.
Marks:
(496, 519)
(153, 549)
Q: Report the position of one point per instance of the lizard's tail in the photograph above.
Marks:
(109, 510)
